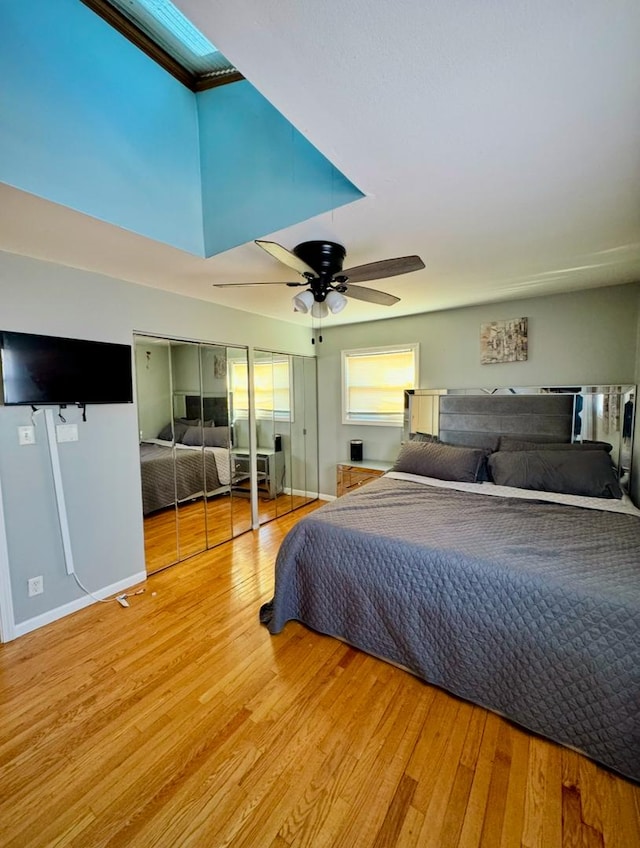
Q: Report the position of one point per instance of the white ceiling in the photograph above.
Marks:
(497, 139)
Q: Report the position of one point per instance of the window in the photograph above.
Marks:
(272, 389)
(161, 30)
(374, 381)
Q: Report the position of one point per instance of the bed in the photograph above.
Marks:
(189, 459)
(518, 599)
(177, 476)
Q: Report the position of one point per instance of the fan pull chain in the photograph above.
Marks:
(316, 328)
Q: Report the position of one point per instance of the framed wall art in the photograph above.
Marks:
(503, 341)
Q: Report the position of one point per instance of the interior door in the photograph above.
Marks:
(188, 449)
(297, 476)
(283, 412)
(240, 473)
(189, 431)
(263, 393)
(216, 443)
(311, 458)
(286, 414)
(156, 435)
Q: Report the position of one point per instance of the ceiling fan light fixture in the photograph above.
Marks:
(335, 301)
(303, 302)
(319, 309)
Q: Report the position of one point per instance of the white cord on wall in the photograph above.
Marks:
(61, 506)
(57, 485)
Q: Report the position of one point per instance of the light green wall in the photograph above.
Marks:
(101, 473)
(153, 387)
(581, 338)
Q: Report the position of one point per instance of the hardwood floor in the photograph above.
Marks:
(172, 535)
(181, 722)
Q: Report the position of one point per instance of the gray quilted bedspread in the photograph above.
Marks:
(168, 475)
(530, 609)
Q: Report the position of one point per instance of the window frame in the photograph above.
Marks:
(262, 414)
(378, 350)
(145, 42)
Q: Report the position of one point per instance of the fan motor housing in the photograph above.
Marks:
(325, 257)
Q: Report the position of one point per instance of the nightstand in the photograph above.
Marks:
(352, 475)
(270, 465)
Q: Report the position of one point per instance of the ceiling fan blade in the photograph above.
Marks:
(286, 257)
(371, 295)
(384, 268)
(260, 283)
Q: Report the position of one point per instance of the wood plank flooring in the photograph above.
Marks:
(181, 722)
(172, 535)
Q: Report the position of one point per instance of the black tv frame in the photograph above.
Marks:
(40, 370)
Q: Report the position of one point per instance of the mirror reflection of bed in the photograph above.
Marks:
(185, 414)
(193, 410)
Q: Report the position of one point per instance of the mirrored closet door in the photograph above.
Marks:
(285, 391)
(187, 434)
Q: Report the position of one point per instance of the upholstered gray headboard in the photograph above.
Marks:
(214, 408)
(478, 419)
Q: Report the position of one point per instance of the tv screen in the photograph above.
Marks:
(48, 369)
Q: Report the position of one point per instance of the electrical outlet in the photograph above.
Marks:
(67, 432)
(35, 586)
(26, 435)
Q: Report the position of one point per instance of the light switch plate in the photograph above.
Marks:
(27, 435)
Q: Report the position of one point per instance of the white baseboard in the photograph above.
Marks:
(302, 494)
(73, 606)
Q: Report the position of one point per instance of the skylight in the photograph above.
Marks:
(161, 29)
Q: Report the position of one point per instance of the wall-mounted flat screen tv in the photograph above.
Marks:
(53, 370)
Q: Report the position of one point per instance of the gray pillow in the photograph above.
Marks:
(192, 437)
(569, 472)
(216, 437)
(444, 462)
(168, 433)
(511, 443)
(487, 442)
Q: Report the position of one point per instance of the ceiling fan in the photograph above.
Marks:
(327, 284)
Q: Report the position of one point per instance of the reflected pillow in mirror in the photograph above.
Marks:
(216, 437)
(168, 433)
(569, 472)
(192, 437)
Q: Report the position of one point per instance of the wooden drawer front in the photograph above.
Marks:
(350, 478)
